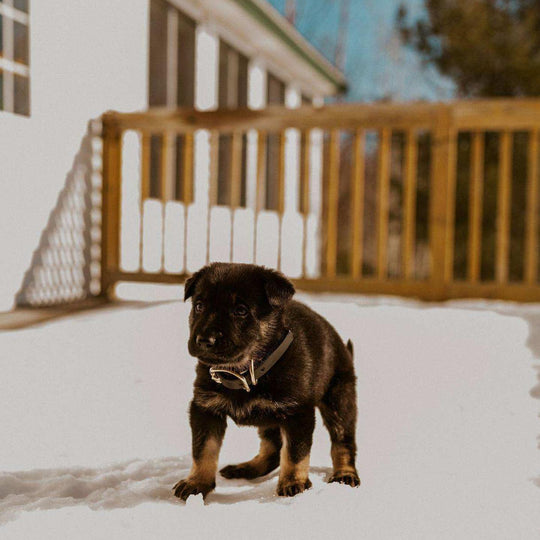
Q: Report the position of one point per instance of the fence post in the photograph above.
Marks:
(110, 209)
(441, 215)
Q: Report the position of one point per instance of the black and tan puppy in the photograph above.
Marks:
(267, 361)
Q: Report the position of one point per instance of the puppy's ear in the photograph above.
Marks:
(191, 283)
(279, 290)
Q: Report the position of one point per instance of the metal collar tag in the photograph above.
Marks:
(215, 377)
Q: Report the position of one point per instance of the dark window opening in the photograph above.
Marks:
(275, 96)
(233, 93)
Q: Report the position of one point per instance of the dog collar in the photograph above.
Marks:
(255, 373)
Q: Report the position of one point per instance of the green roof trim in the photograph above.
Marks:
(251, 7)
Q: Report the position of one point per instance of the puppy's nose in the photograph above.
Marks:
(209, 340)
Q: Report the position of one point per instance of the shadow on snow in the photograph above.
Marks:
(122, 485)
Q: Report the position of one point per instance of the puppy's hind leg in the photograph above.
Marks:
(264, 462)
(338, 410)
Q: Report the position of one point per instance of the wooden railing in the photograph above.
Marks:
(434, 201)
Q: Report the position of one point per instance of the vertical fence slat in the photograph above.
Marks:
(187, 185)
(145, 191)
(451, 152)
(409, 199)
(212, 185)
(332, 206)
(259, 189)
(305, 155)
(357, 218)
(165, 186)
(281, 174)
(281, 193)
(165, 169)
(383, 193)
(110, 225)
(439, 216)
(503, 206)
(531, 234)
(236, 168)
(187, 180)
(305, 150)
(475, 207)
(236, 172)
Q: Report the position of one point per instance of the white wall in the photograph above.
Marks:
(86, 58)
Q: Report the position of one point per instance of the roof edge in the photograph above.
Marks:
(270, 18)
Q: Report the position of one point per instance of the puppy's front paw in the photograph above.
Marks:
(292, 488)
(347, 477)
(184, 488)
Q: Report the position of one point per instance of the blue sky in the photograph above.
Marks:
(377, 65)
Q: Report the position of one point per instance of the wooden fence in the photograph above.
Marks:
(455, 182)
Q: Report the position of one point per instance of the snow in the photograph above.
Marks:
(95, 429)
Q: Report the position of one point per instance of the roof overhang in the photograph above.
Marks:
(268, 17)
(260, 31)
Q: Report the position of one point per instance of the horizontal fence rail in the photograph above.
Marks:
(428, 200)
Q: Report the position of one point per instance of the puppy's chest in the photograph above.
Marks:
(246, 410)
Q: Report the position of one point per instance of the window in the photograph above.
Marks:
(275, 96)
(171, 82)
(233, 93)
(14, 57)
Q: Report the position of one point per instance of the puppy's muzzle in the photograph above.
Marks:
(209, 340)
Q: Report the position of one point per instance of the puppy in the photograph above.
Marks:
(265, 360)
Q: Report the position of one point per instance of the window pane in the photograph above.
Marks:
(158, 54)
(22, 95)
(21, 43)
(243, 64)
(21, 4)
(276, 91)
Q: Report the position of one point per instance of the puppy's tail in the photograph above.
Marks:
(350, 348)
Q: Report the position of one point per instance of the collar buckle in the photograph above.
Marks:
(254, 379)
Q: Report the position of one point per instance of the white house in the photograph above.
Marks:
(65, 63)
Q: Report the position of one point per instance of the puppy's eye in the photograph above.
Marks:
(240, 311)
(199, 306)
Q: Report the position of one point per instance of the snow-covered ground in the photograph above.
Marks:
(95, 431)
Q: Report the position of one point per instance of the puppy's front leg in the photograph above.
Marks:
(207, 431)
(297, 434)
